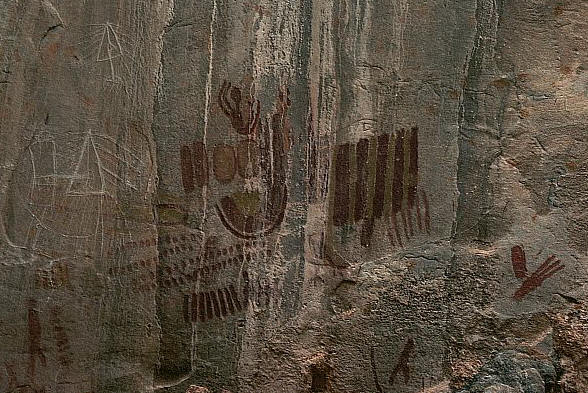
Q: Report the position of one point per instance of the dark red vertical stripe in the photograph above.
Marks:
(397, 181)
(201, 307)
(341, 208)
(235, 298)
(215, 304)
(312, 161)
(418, 213)
(394, 223)
(187, 170)
(367, 232)
(362, 151)
(35, 350)
(200, 163)
(405, 224)
(194, 307)
(209, 313)
(245, 287)
(187, 309)
(519, 262)
(427, 214)
(223, 303)
(381, 165)
(413, 168)
(230, 305)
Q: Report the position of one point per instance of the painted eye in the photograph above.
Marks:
(224, 163)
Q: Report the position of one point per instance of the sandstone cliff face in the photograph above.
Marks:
(293, 196)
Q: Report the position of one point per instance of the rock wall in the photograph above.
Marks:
(293, 196)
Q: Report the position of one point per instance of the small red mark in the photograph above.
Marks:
(12, 381)
(519, 262)
(402, 365)
(35, 350)
(61, 338)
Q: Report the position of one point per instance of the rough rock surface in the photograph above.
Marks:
(515, 372)
(293, 196)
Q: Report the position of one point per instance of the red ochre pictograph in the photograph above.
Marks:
(548, 268)
(262, 153)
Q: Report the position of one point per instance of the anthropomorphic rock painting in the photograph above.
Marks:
(213, 275)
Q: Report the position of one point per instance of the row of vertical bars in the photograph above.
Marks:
(374, 177)
(220, 303)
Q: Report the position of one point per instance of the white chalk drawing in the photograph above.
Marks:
(92, 175)
(108, 45)
(110, 48)
(62, 200)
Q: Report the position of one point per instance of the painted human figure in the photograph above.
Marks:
(259, 159)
